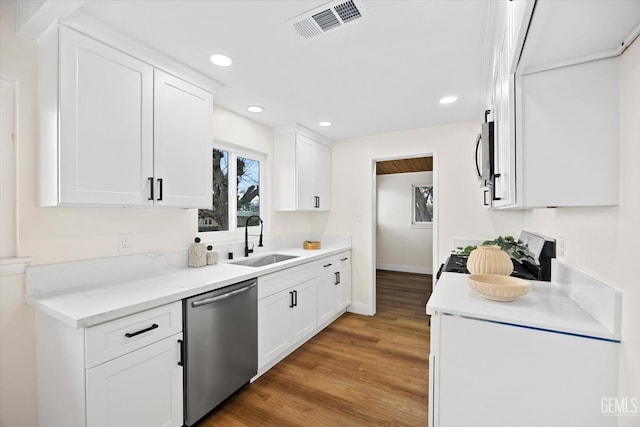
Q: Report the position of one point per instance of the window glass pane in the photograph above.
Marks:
(248, 177)
(423, 199)
(217, 218)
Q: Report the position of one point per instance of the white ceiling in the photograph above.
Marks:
(381, 74)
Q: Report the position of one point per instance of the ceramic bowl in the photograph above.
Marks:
(496, 287)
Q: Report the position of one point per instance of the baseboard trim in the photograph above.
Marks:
(405, 268)
(359, 308)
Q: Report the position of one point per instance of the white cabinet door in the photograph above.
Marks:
(303, 314)
(106, 124)
(322, 176)
(343, 288)
(304, 173)
(142, 388)
(274, 326)
(326, 297)
(503, 114)
(183, 138)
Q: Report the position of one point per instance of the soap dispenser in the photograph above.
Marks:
(212, 256)
(197, 254)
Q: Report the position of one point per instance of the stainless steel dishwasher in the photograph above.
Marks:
(220, 346)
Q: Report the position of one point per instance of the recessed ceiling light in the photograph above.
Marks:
(448, 99)
(221, 60)
(324, 124)
(255, 108)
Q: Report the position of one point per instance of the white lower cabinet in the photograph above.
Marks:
(126, 372)
(483, 373)
(334, 286)
(284, 319)
(142, 388)
(296, 303)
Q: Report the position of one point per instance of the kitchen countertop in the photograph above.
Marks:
(545, 307)
(97, 303)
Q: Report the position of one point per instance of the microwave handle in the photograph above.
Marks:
(478, 140)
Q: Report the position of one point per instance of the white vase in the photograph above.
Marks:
(489, 259)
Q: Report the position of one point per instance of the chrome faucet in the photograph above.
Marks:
(248, 251)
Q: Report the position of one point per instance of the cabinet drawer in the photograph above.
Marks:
(343, 259)
(112, 339)
(327, 265)
(276, 282)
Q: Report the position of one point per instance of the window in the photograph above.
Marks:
(422, 200)
(236, 191)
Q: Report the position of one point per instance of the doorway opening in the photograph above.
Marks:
(404, 226)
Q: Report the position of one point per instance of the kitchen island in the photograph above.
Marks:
(542, 359)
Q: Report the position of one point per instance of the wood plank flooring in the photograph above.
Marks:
(359, 371)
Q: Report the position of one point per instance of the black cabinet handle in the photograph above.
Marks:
(496, 176)
(337, 273)
(327, 265)
(291, 304)
(181, 363)
(295, 296)
(317, 200)
(150, 179)
(142, 331)
(160, 185)
(344, 259)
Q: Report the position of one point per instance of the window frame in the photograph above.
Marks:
(414, 222)
(234, 232)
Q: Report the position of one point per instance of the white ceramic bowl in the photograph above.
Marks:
(496, 287)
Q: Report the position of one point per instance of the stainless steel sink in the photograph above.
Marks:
(264, 260)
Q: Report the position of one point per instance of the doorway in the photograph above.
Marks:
(404, 212)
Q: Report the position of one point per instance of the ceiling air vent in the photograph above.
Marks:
(331, 15)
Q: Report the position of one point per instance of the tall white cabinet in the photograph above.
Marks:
(118, 131)
(303, 170)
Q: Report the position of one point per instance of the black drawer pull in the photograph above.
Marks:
(327, 265)
(142, 331)
(343, 259)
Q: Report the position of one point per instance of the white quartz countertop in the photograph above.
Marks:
(545, 307)
(101, 302)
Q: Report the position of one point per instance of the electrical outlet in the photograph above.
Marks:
(124, 242)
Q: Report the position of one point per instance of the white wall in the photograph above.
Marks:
(399, 246)
(604, 241)
(459, 200)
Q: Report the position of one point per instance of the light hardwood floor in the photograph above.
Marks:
(359, 371)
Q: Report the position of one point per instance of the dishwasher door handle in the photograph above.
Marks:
(221, 297)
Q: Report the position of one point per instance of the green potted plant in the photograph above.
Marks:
(515, 248)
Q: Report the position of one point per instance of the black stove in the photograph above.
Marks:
(536, 265)
(458, 264)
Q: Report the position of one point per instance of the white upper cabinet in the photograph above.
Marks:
(554, 103)
(116, 131)
(303, 170)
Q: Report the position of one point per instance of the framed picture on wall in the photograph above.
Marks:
(422, 210)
